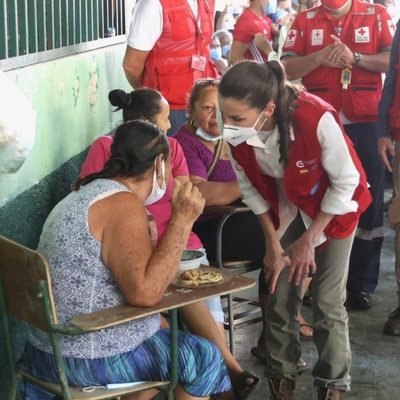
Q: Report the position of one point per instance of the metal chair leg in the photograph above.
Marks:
(231, 319)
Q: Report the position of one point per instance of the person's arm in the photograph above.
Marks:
(238, 51)
(385, 143)
(297, 66)
(261, 42)
(275, 260)
(302, 252)
(340, 53)
(145, 29)
(220, 22)
(141, 272)
(134, 63)
(217, 193)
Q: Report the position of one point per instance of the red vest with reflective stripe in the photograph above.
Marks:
(168, 65)
(394, 110)
(359, 101)
(305, 180)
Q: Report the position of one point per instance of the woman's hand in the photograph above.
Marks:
(302, 259)
(274, 263)
(187, 201)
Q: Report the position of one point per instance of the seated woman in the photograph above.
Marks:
(148, 104)
(211, 171)
(100, 254)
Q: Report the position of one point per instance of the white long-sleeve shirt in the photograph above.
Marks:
(336, 161)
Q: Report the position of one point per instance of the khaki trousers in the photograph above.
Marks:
(331, 334)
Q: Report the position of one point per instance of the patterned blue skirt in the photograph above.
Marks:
(201, 368)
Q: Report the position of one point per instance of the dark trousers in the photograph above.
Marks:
(366, 251)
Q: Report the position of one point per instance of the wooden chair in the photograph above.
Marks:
(26, 294)
(250, 311)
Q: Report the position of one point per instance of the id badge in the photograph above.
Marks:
(345, 78)
(198, 62)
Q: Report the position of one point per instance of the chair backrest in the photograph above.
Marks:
(21, 271)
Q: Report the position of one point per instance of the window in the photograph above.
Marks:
(31, 27)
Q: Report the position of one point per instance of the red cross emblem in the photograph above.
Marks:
(291, 35)
(362, 32)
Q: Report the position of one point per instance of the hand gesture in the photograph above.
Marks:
(274, 263)
(324, 56)
(302, 259)
(341, 54)
(187, 201)
(385, 148)
(261, 41)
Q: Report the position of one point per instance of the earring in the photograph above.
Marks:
(193, 123)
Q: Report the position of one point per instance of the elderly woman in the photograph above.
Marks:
(99, 248)
(211, 171)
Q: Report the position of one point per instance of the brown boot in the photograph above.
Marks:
(331, 394)
(282, 389)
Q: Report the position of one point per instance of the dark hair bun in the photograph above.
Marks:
(119, 98)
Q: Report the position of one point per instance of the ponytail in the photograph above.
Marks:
(286, 96)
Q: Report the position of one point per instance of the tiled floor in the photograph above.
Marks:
(376, 357)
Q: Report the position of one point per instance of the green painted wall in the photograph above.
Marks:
(70, 96)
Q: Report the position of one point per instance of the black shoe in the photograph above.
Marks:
(358, 301)
(392, 326)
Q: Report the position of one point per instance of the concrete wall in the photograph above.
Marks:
(70, 97)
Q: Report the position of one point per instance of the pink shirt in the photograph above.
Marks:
(99, 153)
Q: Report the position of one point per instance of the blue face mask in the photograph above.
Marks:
(225, 50)
(216, 53)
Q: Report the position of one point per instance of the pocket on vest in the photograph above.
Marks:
(175, 81)
(364, 101)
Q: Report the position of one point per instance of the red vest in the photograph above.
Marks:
(359, 101)
(305, 179)
(394, 110)
(168, 65)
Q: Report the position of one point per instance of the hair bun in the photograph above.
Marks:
(119, 98)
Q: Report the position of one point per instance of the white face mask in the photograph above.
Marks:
(205, 136)
(236, 135)
(157, 192)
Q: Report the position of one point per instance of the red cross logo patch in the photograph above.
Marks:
(291, 38)
(317, 37)
(361, 35)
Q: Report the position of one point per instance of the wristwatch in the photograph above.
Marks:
(357, 58)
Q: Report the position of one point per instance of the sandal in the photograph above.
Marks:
(242, 389)
(303, 335)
